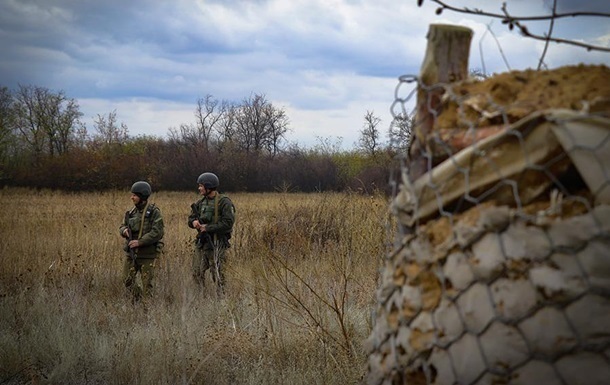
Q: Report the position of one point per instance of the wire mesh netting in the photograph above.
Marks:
(501, 268)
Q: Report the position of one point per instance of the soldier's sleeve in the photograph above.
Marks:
(157, 229)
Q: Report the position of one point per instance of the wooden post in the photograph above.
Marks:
(446, 61)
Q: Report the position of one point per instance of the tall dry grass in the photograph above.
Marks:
(301, 285)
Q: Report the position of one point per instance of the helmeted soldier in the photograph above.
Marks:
(213, 217)
(143, 228)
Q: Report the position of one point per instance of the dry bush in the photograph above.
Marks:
(301, 280)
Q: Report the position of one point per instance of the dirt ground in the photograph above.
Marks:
(516, 94)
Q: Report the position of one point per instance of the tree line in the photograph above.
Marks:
(45, 144)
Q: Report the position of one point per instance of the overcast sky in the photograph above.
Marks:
(325, 62)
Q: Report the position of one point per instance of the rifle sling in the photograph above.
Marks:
(215, 215)
(142, 223)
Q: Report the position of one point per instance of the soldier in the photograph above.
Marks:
(143, 228)
(213, 217)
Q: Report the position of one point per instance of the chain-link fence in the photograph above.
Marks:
(501, 269)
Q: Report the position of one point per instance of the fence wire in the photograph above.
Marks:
(501, 268)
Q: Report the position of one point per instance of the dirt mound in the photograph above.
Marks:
(508, 97)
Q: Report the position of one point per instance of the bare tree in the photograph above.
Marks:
(328, 146)
(370, 137)
(401, 131)
(186, 134)
(226, 127)
(45, 120)
(109, 131)
(208, 116)
(277, 126)
(65, 120)
(259, 125)
(6, 118)
(81, 137)
(7, 137)
(249, 123)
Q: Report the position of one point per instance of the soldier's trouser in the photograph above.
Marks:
(146, 269)
(212, 259)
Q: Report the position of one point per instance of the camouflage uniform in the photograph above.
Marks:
(218, 214)
(151, 243)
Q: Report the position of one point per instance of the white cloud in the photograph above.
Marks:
(142, 116)
(326, 61)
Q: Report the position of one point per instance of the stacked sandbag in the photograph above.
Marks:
(505, 299)
(501, 271)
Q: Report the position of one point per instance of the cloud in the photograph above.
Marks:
(326, 61)
(143, 116)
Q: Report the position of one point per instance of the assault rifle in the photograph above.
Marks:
(132, 253)
(202, 237)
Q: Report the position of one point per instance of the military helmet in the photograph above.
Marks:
(141, 189)
(208, 180)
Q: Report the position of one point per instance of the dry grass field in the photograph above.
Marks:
(301, 281)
